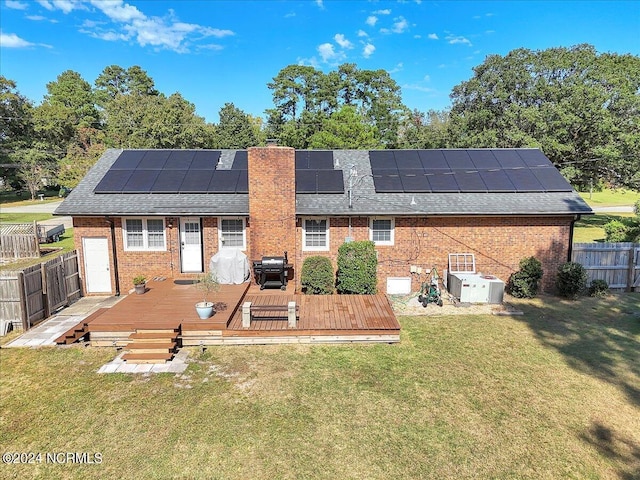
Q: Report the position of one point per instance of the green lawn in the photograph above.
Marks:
(590, 228)
(554, 393)
(611, 198)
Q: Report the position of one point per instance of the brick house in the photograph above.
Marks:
(166, 212)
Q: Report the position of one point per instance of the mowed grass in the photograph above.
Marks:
(554, 393)
(590, 228)
(611, 198)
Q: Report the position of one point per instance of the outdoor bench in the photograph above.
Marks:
(289, 311)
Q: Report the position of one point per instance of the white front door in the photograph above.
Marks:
(190, 245)
(96, 264)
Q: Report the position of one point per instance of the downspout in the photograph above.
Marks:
(571, 227)
(114, 251)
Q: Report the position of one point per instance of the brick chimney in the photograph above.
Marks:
(272, 202)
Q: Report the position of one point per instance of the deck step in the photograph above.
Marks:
(80, 330)
(160, 347)
(152, 337)
(147, 357)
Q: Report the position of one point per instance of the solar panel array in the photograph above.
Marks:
(489, 170)
(315, 173)
(195, 171)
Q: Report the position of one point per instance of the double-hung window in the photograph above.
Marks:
(315, 234)
(381, 231)
(232, 233)
(144, 234)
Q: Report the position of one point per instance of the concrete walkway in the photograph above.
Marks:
(45, 334)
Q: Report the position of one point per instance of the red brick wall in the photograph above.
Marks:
(499, 243)
(149, 263)
(272, 202)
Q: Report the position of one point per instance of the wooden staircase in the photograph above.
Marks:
(80, 330)
(151, 346)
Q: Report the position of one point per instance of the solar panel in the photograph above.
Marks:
(240, 160)
(497, 181)
(224, 181)
(128, 160)
(407, 159)
(306, 181)
(196, 181)
(302, 159)
(243, 182)
(153, 160)
(113, 181)
(330, 181)
(141, 181)
(387, 183)
(483, 159)
(551, 179)
(469, 181)
(321, 159)
(432, 159)
(415, 182)
(205, 160)
(382, 159)
(385, 171)
(441, 181)
(458, 159)
(179, 160)
(524, 180)
(533, 157)
(168, 181)
(508, 158)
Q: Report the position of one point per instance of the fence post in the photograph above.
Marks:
(45, 300)
(23, 302)
(632, 265)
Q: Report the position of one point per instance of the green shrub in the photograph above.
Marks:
(357, 264)
(525, 282)
(636, 208)
(317, 276)
(615, 231)
(598, 288)
(571, 280)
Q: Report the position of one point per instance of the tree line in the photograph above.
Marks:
(581, 108)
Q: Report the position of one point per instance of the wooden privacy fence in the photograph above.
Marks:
(617, 263)
(31, 295)
(19, 240)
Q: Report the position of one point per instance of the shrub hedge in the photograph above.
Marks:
(317, 276)
(357, 265)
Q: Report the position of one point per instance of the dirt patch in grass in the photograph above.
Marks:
(409, 305)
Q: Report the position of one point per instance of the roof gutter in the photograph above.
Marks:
(114, 251)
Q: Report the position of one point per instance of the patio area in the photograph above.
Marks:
(168, 306)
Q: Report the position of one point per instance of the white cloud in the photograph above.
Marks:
(16, 5)
(458, 39)
(420, 88)
(371, 20)
(400, 25)
(362, 33)
(398, 68)
(368, 50)
(382, 12)
(427, 78)
(343, 42)
(320, 3)
(127, 23)
(11, 40)
(432, 36)
(326, 52)
(290, 15)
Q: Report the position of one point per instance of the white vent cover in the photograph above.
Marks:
(462, 263)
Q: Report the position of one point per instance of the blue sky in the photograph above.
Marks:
(214, 51)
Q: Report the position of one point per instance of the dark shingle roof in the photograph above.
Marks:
(83, 201)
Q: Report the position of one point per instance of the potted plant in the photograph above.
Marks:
(206, 283)
(140, 284)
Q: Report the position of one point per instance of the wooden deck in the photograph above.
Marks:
(169, 306)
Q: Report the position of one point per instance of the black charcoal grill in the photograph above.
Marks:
(272, 272)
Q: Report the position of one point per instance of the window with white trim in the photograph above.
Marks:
(144, 234)
(381, 231)
(232, 233)
(315, 234)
